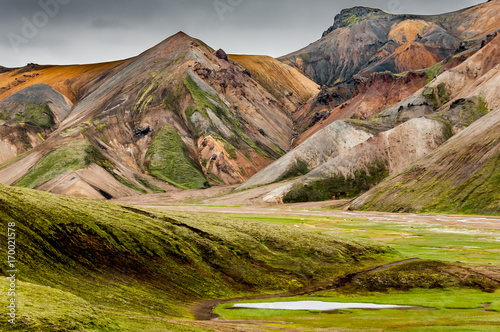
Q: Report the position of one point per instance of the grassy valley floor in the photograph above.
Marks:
(98, 266)
(448, 307)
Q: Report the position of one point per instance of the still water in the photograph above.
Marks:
(316, 305)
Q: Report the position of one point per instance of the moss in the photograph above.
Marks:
(433, 71)
(339, 185)
(47, 309)
(438, 95)
(149, 185)
(171, 97)
(4, 115)
(215, 179)
(150, 262)
(169, 161)
(429, 94)
(100, 127)
(146, 96)
(462, 113)
(204, 100)
(447, 130)
(372, 125)
(299, 168)
(70, 157)
(39, 114)
(472, 110)
(230, 149)
(442, 93)
(470, 188)
(36, 114)
(478, 195)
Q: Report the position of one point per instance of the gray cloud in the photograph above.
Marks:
(85, 31)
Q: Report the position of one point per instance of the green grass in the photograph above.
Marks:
(72, 156)
(38, 114)
(413, 240)
(475, 193)
(433, 71)
(154, 263)
(450, 312)
(204, 100)
(456, 308)
(299, 168)
(169, 161)
(36, 305)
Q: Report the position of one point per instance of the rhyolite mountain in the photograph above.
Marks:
(362, 153)
(179, 114)
(353, 154)
(365, 40)
(393, 89)
(353, 59)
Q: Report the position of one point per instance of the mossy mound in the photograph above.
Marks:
(425, 274)
(69, 157)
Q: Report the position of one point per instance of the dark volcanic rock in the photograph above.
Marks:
(221, 54)
(139, 131)
(353, 15)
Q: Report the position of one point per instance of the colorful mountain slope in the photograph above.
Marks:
(364, 40)
(396, 137)
(462, 176)
(179, 114)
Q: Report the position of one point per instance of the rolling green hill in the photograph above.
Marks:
(103, 258)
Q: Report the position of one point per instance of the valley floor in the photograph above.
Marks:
(470, 240)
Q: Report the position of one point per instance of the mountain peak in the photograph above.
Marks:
(353, 15)
(180, 36)
(175, 44)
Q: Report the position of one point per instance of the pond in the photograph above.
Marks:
(316, 305)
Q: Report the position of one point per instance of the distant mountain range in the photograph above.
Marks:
(375, 94)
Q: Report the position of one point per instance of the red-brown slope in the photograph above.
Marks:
(371, 97)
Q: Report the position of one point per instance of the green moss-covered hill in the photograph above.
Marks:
(105, 259)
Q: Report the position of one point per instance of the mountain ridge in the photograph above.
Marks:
(179, 98)
(363, 39)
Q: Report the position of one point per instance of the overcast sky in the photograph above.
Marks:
(88, 31)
